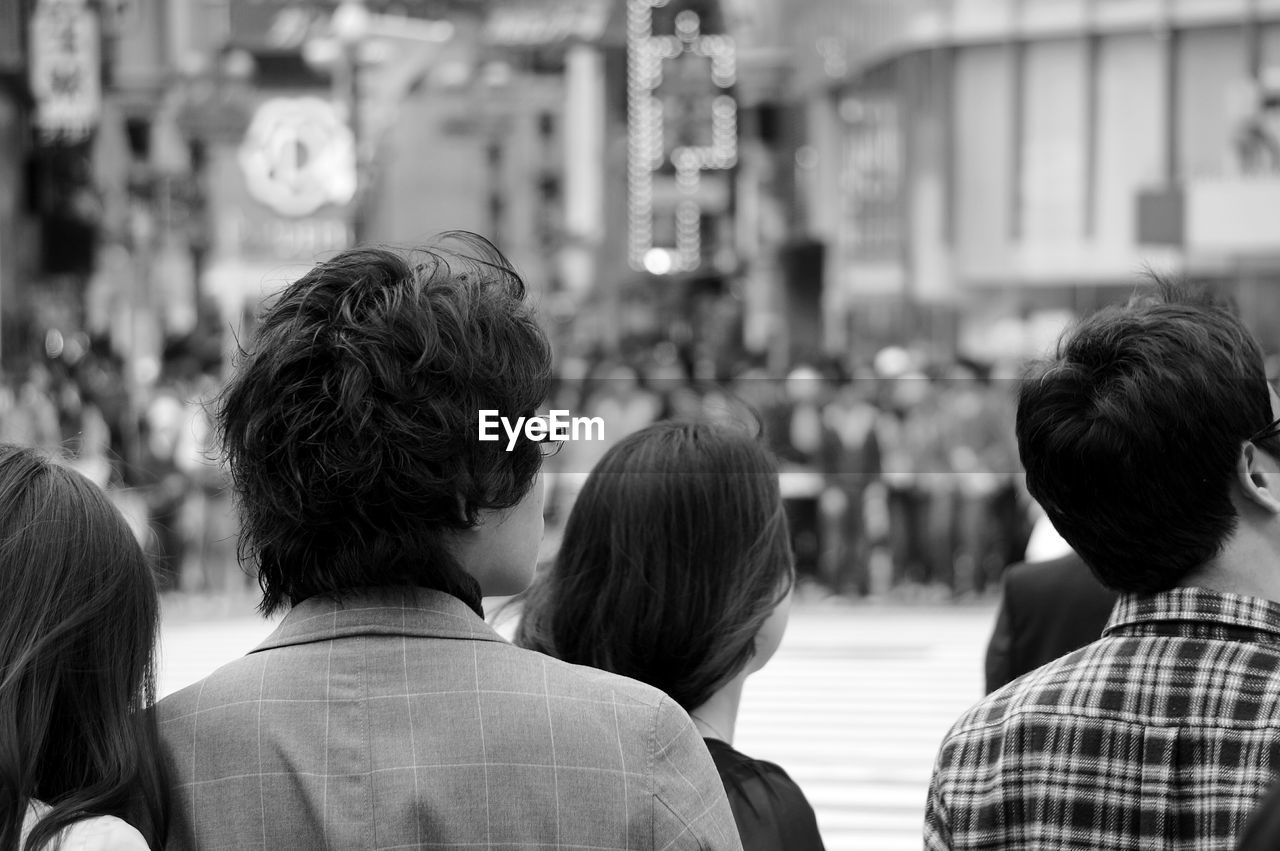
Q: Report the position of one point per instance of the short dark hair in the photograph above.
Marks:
(1131, 432)
(78, 624)
(351, 425)
(674, 555)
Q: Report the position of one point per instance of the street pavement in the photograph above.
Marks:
(853, 706)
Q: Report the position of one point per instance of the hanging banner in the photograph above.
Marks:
(11, 55)
(65, 68)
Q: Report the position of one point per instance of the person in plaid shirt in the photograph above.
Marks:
(1150, 439)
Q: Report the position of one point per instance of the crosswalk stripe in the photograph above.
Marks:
(854, 706)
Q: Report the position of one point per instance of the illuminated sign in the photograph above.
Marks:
(298, 155)
(282, 25)
(532, 23)
(680, 115)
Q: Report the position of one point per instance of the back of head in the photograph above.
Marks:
(1131, 432)
(78, 623)
(675, 554)
(350, 427)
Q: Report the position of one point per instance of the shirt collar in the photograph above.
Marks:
(1195, 606)
(408, 611)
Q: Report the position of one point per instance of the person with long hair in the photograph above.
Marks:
(79, 766)
(676, 570)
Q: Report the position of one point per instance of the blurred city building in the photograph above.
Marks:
(195, 155)
(18, 221)
(633, 168)
(978, 171)
(914, 194)
(748, 180)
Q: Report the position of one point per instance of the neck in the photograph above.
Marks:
(717, 718)
(1247, 566)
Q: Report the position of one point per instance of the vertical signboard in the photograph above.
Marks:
(682, 122)
(11, 57)
(65, 68)
(281, 197)
(871, 178)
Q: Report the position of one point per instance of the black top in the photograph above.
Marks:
(1262, 831)
(1047, 610)
(771, 811)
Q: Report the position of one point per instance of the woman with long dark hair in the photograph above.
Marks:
(78, 620)
(676, 570)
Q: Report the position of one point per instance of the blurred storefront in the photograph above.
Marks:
(544, 66)
(331, 123)
(543, 63)
(978, 170)
(81, 84)
(279, 172)
(18, 260)
(50, 104)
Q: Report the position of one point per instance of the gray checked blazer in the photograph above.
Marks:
(400, 719)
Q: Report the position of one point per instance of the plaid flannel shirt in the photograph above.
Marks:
(1163, 734)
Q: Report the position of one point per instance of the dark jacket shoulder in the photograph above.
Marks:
(1047, 609)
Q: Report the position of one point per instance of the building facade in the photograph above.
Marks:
(18, 261)
(979, 171)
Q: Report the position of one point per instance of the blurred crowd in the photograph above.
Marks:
(150, 450)
(901, 476)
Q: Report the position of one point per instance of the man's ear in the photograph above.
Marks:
(1258, 485)
(462, 513)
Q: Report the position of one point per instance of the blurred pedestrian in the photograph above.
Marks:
(29, 416)
(163, 483)
(92, 454)
(983, 461)
(851, 416)
(675, 570)
(383, 711)
(807, 448)
(623, 405)
(207, 518)
(931, 438)
(1150, 438)
(908, 469)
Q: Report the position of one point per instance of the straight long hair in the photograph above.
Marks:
(78, 624)
(674, 555)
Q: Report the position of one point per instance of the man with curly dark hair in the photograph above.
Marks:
(384, 712)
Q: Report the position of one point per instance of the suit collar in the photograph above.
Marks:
(418, 612)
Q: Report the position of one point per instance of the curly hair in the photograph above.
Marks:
(350, 427)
